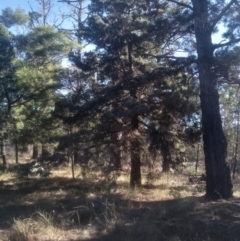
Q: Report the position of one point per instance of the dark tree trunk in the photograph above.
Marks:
(76, 153)
(45, 152)
(236, 145)
(135, 178)
(69, 156)
(71, 151)
(72, 164)
(197, 158)
(166, 154)
(16, 152)
(35, 151)
(116, 150)
(218, 183)
(118, 163)
(5, 162)
(3, 154)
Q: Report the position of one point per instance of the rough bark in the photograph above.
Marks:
(218, 183)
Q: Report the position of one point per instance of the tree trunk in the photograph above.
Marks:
(197, 158)
(16, 152)
(218, 183)
(45, 152)
(69, 155)
(236, 145)
(35, 151)
(76, 154)
(135, 179)
(116, 150)
(166, 154)
(118, 163)
(72, 164)
(3, 154)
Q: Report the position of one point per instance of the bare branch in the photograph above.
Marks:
(221, 14)
(181, 4)
(234, 41)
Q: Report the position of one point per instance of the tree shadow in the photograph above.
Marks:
(185, 219)
(114, 216)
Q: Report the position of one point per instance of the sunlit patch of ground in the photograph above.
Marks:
(166, 208)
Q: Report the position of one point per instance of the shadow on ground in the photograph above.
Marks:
(115, 217)
(186, 219)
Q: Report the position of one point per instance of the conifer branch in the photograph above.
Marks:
(237, 40)
(181, 4)
(189, 59)
(221, 14)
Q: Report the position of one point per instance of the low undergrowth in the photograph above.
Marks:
(100, 207)
(27, 229)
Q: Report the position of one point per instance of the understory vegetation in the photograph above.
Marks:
(167, 207)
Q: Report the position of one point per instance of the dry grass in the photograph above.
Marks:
(6, 176)
(29, 228)
(165, 208)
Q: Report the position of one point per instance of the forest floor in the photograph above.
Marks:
(101, 207)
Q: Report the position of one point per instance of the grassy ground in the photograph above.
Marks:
(101, 207)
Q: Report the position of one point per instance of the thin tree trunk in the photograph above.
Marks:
(135, 178)
(119, 152)
(3, 154)
(233, 152)
(35, 151)
(69, 156)
(45, 152)
(16, 152)
(116, 150)
(71, 150)
(72, 164)
(166, 154)
(236, 145)
(76, 148)
(218, 183)
(197, 158)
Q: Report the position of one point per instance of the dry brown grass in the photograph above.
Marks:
(6, 176)
(28, 229)
(165, 208)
